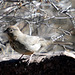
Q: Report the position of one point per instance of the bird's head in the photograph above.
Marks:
(12, 31)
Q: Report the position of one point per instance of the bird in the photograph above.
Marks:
(28, 44)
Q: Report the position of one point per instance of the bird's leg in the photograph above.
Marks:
(21, 56)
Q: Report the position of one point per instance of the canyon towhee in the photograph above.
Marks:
(26, 44)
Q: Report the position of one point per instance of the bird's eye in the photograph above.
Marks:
(11, 30)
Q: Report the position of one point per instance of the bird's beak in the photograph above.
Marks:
(5, 31)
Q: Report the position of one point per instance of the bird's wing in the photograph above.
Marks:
(31, 42)
(34, 39)
(35, 42)
(34, 47)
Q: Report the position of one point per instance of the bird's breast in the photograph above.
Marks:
(19, 47)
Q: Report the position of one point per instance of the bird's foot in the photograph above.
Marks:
(36, 57)
(31, 59)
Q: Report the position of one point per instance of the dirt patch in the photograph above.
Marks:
(57, 65)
